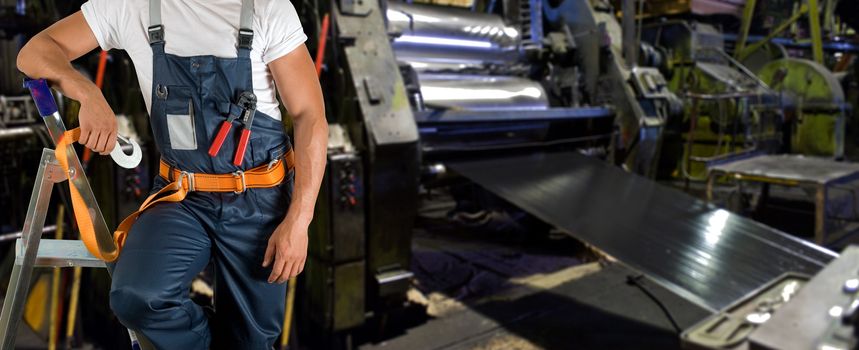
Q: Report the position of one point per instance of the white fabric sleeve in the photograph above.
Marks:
(283, 30)
(103, 17)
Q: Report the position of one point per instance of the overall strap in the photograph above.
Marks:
(246, 33)
(156, 30)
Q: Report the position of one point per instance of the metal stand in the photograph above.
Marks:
(31, 251)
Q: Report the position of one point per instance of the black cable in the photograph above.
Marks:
(636, 281)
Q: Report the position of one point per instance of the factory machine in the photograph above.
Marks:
(421, 86)
(522, 100)
(759, 101)
(552, 107)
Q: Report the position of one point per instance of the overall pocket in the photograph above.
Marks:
(179, 111)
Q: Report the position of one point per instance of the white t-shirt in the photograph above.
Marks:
(199, 27)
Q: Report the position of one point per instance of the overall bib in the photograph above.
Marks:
(170, 243)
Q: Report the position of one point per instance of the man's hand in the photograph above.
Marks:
(287, 246)
(98, 123)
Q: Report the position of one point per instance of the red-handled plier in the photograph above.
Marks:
(247, 102)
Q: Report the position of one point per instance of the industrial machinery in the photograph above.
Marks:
(792, 312)
(426, 92)
(509, 95)
(757, 100)
(419, 87)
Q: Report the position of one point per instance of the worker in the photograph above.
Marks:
(205, 67)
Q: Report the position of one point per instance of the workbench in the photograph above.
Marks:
(821, 174)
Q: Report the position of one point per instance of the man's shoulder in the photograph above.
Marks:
(130, 4)
(272, 7)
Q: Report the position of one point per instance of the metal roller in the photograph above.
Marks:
(476, 92)
(434, 34)
(441, 65)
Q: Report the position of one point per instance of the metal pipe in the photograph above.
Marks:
(630, 49)
(831, 46)
(816, 36)
(723, 96)
(776, 31)
(748, 13)
(15, 235)
(15, 132)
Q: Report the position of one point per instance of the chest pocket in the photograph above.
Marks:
(179, 111)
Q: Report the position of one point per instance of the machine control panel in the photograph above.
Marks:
(348, 179)
(339, 232)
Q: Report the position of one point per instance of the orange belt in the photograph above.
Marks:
(182, 182)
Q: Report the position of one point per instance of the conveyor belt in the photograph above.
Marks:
(707, 255)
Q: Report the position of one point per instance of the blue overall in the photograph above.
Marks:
(172, 242)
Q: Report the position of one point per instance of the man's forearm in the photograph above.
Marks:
(311, 143)
(43, 58)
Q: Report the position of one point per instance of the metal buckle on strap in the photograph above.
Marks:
(241, 174)
(246, 38)
(189, 176)
(156, 34)
(192, 186)
(272, 163)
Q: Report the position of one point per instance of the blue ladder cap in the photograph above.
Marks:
(42, 95)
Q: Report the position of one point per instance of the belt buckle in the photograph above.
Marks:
(272, 163)
(241, 174)
(190, 176)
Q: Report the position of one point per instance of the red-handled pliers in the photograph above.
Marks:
(247, 103)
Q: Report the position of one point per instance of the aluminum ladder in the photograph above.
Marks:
(32, 251)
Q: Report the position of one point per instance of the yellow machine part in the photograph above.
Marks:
(706, 142)
(668, 7)
(813, 96)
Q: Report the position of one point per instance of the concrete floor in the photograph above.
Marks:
(488, 290)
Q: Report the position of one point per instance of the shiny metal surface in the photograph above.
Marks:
(477, 92)
(551, 114)
(804, 322)
(15, 132)
(705, 254)
(15, 235)
(792, 167)
(425, 33)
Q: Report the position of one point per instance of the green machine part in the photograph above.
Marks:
(814, 104)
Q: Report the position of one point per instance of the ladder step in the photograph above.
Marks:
(59, 253)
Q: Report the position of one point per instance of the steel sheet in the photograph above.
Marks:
(708, 255)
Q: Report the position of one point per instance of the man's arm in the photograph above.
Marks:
(299, 89)
(48, 55)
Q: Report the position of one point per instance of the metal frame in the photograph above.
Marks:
(820, 195)
(741, 51)
(49, 174)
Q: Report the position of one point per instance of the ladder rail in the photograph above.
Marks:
(22, 270)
